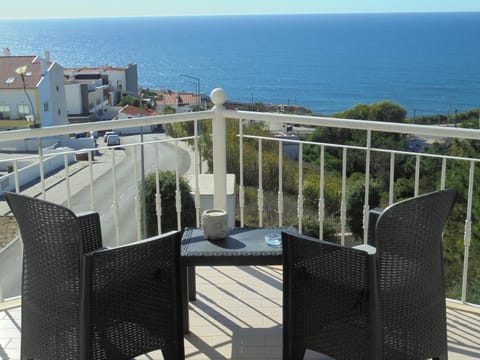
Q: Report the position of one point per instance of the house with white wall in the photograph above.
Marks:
(180, 101)
(86, 99)
(129, 112)
(32, 88)
(91, 89)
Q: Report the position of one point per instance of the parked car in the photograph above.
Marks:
(112, 139)
(106, 135)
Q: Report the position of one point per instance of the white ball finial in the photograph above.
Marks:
(218, 96)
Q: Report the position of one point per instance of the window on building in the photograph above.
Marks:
(24, 110)
(45, 106)
(4, 112)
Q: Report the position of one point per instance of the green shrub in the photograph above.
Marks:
(332, 193)
(311, 227)
(167, 182)
(356, 202)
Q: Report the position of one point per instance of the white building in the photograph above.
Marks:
(90, 90)
(180, 101)
(129, 112)
(37, 95)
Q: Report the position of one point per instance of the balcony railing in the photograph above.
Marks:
(154, 149)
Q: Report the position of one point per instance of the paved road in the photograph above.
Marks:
(10, 258)
(127, 186)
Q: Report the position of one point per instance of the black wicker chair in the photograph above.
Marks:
(387, 303)
(82, 301)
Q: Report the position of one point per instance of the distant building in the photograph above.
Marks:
(90, 90)
(291, 149)
(129, 112)
(180, 101)
(39, 96)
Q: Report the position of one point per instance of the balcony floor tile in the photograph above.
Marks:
(238, 315)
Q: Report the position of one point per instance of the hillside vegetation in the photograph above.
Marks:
(457, 177)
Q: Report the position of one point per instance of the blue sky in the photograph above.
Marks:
(62, 8)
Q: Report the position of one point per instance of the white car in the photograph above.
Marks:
(112, 139)
(106, 135)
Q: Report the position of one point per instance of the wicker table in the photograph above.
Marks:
(242, 246)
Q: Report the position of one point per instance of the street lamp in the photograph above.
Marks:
(142, 162)
(199, 104)
(142, 165)
(199, 101)
(21, 70)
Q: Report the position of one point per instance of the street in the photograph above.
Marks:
(126, 185)
(11, 257)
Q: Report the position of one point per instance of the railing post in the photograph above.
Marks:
(260, 184)
(467, 238)
(219, 97)
(366, 205)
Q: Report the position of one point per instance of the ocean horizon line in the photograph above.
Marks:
(239, 15)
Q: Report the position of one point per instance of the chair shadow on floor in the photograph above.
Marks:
(246, 320)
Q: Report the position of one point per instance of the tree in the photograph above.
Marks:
(356, 202)
(167, 181)
(169, 110)
(129, 100)
(387, 111)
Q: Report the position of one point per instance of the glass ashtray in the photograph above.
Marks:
(273, 239)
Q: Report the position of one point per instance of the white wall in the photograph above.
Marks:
(132, 130)
(115, 76)
(31, 145)
(95, 97)
(73, 95)
(18, 146)
(14, 97)
(31, 172)
(78, 144)
(206, 187)
(52, 91)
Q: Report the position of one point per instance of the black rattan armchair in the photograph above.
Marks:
(388, 303)
(82, 301)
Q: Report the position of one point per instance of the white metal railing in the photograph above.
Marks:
(219, 116)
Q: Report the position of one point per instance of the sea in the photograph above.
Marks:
(427, 62)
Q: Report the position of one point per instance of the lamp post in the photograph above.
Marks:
(199, 101)
(142, 161)
(199, 104)
(21, 70)
(142, 166)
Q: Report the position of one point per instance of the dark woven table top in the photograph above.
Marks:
(242, 246)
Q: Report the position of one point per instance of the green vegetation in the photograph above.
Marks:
(129, 100)
(404, 171)
(167, 187)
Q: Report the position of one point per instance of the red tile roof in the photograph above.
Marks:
(170, 98)
(8, 65)
(135, 111)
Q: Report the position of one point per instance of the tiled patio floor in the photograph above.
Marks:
(237, 315)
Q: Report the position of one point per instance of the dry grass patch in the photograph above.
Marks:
(8, 230)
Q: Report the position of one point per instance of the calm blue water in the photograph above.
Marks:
(328, 63)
